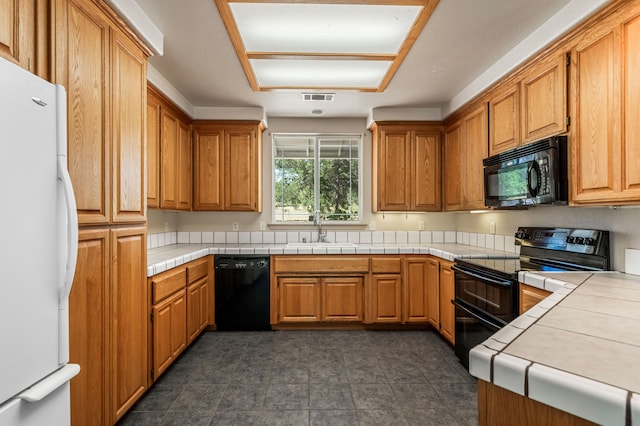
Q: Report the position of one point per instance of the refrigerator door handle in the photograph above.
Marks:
(50, 383)
(72, 236)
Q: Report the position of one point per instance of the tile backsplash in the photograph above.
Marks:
(491, 241)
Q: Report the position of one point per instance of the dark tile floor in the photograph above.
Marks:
(312, 378)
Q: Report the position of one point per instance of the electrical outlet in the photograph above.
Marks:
(421, 225)
(492, 227)
(234, 226)
(263, 225)
(372, 225)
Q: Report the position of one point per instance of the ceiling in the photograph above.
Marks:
(461, 40)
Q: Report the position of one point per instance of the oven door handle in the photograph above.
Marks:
(481, 319)
(504, 283)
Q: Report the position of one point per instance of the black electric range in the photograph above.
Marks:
(486, 290)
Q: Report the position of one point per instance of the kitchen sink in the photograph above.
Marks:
(322, 244)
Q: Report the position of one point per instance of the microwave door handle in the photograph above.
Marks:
(477, 317)
(504, 283)
(533, 174)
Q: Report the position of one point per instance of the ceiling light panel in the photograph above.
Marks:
(320, 74)
(323, 28)
(327, 44)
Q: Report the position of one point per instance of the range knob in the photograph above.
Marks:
(522, 235)
(262, 264)
(571, 240)
(590, 241)
(579, 240)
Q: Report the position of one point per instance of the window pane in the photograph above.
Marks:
(339, 179)
(296, 166)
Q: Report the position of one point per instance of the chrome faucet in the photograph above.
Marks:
(317, 220)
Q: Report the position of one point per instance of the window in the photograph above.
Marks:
(316, 172)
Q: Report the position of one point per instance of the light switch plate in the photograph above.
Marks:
(632, 261)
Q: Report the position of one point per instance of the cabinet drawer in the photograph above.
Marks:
(197, 269)
(167, 283)
(386, 265)
(321, 264)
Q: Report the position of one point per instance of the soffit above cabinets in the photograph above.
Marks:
(323, 44)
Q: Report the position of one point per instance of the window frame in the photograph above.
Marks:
(316, 159)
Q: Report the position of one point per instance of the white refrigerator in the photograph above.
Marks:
(38, 251)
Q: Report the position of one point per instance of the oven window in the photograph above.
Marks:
(509, 183)
(493, 299)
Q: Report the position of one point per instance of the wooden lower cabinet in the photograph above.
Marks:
(197, 306)
(169, 331)
(299, 299)
(128, 326)
(89, 329)
(447, 311)
(433, 292)
(342, 299)
(531, 296)
(415, 295)
(386, 298)
(500, 407)
(108, 324)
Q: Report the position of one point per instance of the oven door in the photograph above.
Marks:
(484, 303)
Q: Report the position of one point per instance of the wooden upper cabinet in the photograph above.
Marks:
(104, 73)
(406, 166)
(208, 169)
(504, 115)
(544, 99)
(466, 145)
(227, 166)
(128, 127)
(153, 149)
(23, 34)
(426, 171)
(453, 166)
(606, 111)
(175, 163)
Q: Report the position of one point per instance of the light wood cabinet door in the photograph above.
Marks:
(208, 169)
(530, 296)
(184, 172)
(153, 149)
(504, 116)
(242, 169)
(386, 298)
(406, 166)
(23, 34)
(82, 55)
(393, 169)
(89, 329)
(169, 331)
(476, 149)
(299, 299)
(104, 73)
(169, 155)
(544, 99)
(128, 125)
(605, 148)
(447, 311)
(228, 166)
(433, 292)
(416, 303)
(197, 301)
(454, 164)
(129, 319)
(342, 299)
(426, 171)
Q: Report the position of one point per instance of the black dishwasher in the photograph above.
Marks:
(242, 292)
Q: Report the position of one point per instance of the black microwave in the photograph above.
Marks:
(531, 174)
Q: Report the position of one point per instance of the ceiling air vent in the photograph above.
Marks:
(318, 96)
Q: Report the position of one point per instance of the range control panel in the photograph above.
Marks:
(586, 241)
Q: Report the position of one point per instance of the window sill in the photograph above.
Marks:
(326, 225)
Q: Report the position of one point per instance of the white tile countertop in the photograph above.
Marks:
(578, 350)
(166, 257)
